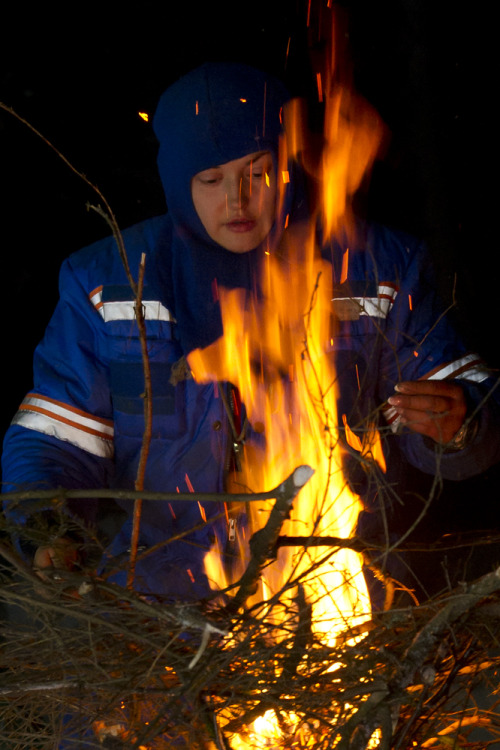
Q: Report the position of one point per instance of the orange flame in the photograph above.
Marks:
(274, 352)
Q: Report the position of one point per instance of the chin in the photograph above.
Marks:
(240, 250)
(241, 243)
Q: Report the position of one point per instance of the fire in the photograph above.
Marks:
(288, 387)
(274, 352)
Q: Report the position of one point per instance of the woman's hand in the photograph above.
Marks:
(60, 554)
(435, 408)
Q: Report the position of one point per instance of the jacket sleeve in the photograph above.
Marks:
(62, 434)
(421, 343)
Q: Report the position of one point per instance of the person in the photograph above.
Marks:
(219, 128)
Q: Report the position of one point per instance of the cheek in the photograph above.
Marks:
(204, 206)
(268, 204)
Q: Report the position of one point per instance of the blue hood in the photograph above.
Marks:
(214, 114)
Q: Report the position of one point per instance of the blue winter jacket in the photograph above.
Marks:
(82, 425)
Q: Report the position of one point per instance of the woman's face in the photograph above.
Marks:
(236, 201)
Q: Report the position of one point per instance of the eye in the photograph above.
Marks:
(260, 170)
(255, 173)
(209, 177)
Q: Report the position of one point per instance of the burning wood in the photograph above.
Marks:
(271, 681)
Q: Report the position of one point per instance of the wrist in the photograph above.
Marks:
(463, 437)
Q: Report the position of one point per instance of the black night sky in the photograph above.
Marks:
(80, 73)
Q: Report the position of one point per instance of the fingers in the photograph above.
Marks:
(60, 555)
(436, 388)
(434, 408)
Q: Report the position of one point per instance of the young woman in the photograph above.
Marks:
(82, 425)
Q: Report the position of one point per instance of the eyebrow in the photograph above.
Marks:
(257, 156)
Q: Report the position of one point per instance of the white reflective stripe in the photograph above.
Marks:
(53, 418)
(392, 417)
(61, 411)
(471, 367)
(375, 307)
(395, 424)
(125, 310)
(389, 290)
(96, 297)
(476, 375)
(41, 423)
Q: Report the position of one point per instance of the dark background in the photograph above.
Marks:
(81, 75)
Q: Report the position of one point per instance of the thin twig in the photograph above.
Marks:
(148, 422)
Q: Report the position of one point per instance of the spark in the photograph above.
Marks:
(144, 116)
(190, 575)
(320, 87)
(345, 266)
(188, 482)
(410, 302)
(202, 511)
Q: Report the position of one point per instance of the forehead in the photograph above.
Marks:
(240, 163)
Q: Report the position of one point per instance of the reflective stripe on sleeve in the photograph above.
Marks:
(51, 417)
(471, 367)
(374, 307)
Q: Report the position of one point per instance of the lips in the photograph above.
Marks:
(240, 225)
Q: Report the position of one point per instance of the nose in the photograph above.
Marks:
(237, 194)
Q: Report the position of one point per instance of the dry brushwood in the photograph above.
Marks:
(108, 662)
